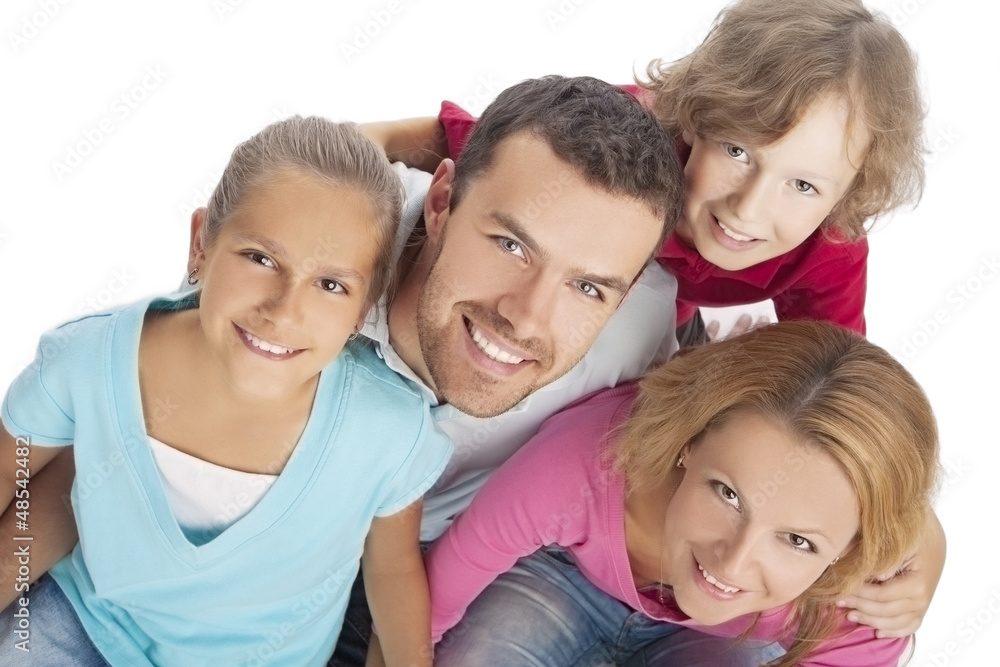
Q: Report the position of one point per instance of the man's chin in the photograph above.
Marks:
(483, 405)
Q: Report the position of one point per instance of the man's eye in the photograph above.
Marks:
(589, 290)
(511, 246)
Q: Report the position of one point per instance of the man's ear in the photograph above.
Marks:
(196, 248)
(437, 204)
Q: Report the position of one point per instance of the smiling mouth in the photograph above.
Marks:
(734, 235)
(491, 349)
(715, 582)
(264, 345)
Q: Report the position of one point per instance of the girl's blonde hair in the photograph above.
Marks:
(836, 391)
(765, 62)
(336, 153)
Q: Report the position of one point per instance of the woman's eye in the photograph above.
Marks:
(804, 186)
(511, 246)
(332, 286)
(735, 152)
(729, 496)
(801, 543)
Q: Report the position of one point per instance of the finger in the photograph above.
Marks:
(896, 626)
(712, 330)
(743, 324)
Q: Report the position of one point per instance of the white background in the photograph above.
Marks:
(113, 228)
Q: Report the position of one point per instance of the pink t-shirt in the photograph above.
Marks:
(559, 490)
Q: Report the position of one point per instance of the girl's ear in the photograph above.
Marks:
(437, 204)
(196, 249)
(688, 137)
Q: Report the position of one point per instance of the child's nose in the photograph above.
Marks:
(285, 304)
(749, 201)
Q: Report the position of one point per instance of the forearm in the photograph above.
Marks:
(416, 142)
(400, 606)
(50, 527)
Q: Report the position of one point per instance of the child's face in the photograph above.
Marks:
(756, 519)
(747, 204)
(284, 282)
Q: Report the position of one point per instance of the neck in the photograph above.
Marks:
(402, 315)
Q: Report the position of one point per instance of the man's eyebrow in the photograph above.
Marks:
(517, 230)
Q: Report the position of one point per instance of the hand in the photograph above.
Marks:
(894, 603)
(744, 323)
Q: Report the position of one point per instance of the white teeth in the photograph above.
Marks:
(715, 582)
(491, 349)
(733, 235)
(267, 347)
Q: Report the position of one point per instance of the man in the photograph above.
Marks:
(529, 287)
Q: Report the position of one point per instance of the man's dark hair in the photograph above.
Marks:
(612, 141)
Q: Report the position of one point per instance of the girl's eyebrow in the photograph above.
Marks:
(272, 247)
(278, 250)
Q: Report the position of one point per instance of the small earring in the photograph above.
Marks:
(834, 561)
(353, 336)
(191, 276)
(680, 461)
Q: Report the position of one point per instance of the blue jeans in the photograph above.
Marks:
(545, 613)
(55, 636)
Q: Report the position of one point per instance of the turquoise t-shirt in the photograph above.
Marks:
(270, 589)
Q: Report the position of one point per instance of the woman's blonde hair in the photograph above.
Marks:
(765, 62)
(834, 390)
(336, 153)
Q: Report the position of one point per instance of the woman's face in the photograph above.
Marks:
(756, 519)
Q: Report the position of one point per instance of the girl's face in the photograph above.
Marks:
(284, 282)
(756, 519)
(745, 204)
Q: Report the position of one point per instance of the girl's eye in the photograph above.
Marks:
(735, 152)
(332, 286)
(800, 543)
(260, 258)
(804, 186)
(511, 246)
(728, 496)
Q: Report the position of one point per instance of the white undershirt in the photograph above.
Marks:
(205, 496)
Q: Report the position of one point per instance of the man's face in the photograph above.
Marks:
(526, 271)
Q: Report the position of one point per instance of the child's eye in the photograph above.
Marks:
(735, 152)
(800, 543)
(332, 286)
(804, 186)
(728, 496)
(260, 258)
(511, 246)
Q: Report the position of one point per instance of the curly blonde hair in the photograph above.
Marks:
(765, 62)
(834, 390)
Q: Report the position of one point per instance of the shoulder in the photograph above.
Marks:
(584, 425)
(375, 383)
